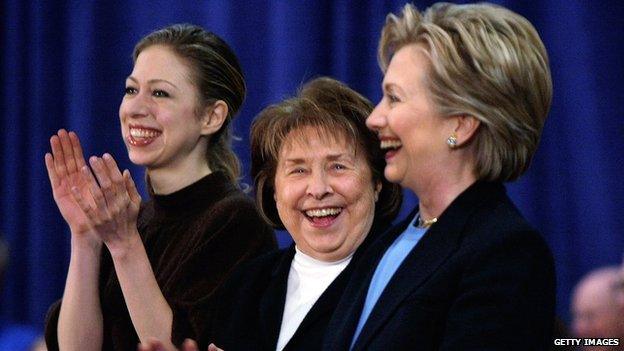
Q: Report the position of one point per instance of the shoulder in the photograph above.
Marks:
(236, 216)
(498, 241)
(258, 270)
(235, 202)
(263, 264)
(237, 211)
(499, 224)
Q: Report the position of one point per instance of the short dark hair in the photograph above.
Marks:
(335, 110)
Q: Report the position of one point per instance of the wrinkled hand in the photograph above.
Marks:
(63, 167)
(112, 206)
(157, 345)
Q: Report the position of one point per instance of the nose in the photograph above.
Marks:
(319, 186)
(135, 106)
(377, 119)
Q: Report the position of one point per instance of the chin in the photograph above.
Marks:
(328, 250)
(391, 175)
(139, 160)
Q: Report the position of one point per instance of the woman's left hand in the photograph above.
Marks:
(115, 203)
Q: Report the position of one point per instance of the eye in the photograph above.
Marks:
(392, 98)
(298, 170)
(160, 93)
(338, 166)
(130, 91)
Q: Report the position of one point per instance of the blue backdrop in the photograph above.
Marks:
(63, 65)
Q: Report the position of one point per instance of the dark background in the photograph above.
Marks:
(63, 65)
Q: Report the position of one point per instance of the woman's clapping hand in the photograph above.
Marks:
(64, 166)
(111, 204)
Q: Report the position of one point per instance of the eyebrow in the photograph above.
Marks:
(330, 157)
(334, 157)
(151, 81)
(389, 86)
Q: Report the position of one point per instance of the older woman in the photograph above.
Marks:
(318, 174)
(465, 95)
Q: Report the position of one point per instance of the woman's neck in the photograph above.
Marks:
(437, 193)
(166, 180)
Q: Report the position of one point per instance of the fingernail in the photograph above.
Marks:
(107, 156)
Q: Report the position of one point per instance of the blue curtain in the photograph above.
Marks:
(63, 65)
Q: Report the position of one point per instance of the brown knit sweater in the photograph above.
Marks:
(193, 238)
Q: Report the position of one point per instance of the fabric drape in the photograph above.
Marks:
(63, 65)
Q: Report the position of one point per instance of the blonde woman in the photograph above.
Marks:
(466, 91)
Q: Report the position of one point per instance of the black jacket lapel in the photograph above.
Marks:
(344, 320)
(436, 246)
(272, 302)
(326, 303)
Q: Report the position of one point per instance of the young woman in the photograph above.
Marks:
(165, 258)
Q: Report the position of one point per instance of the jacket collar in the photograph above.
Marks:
(436, 246)
(272, 301)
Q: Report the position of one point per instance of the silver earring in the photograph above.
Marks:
(451, 141)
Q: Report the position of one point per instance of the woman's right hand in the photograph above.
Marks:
(64, 165)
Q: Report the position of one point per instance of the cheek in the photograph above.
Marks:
(362, 196)
(405, 130)
(122, 110)
(286, 197)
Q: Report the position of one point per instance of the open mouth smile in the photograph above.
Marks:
(322, 217)
(390, 146)
(141, 136)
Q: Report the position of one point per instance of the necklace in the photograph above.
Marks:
(426, 223)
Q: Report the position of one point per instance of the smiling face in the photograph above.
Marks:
(324, 193)
(411, 131)
(158, 112)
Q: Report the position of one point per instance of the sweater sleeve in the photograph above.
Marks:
(232, 234)
(51, 326)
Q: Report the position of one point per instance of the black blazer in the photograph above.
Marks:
(251, 304)
(480, 279)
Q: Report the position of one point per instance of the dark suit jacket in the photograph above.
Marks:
(251, 304)
(480, 279)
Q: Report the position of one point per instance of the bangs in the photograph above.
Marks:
(292, 126)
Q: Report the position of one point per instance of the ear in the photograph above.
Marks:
(465, 128)
(213, 118)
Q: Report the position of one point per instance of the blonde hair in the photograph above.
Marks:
(487, 62)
